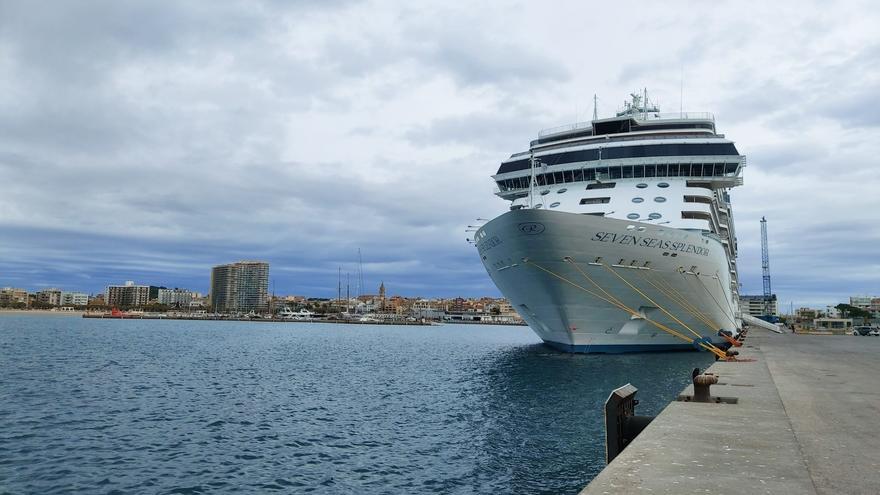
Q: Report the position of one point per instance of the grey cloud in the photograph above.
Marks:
(149, 141)
(787, 155)
(505, 132)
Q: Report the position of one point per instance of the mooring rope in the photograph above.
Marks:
(700, 341)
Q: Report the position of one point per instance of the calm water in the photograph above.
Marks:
(211, 407)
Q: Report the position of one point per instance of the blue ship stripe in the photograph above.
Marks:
(619, 348)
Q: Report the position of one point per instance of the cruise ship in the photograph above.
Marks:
(620, 233)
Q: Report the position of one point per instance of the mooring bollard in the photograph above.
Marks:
(702, 382)
(621, 424)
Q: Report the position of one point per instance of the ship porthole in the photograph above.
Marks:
(561, 191)
(554, 204)
(654, 216)
(660, 199)
(663, 184)
(641, 185)
(633, 216)
(638, 200)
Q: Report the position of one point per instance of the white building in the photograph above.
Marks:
(74, 299)
(754, 305)
(175, 297)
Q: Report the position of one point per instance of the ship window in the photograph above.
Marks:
(554, 204)
(539, 205)
(595, 201)
(561, 191)
(660, 199)
(663, 184)
(633, 216)
(601, 185)
(638, 200)
(641, 185)
(654, 216)
(545, 192)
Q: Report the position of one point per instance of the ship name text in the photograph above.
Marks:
(649, 242)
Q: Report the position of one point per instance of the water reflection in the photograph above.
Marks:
(543, 428)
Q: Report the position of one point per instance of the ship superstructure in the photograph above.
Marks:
(630, 211)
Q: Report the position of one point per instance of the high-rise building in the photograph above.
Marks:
(128, 295)
(242, 286)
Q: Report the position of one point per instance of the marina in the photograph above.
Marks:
(804, 422)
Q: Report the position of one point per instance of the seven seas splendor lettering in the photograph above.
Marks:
(651, 242)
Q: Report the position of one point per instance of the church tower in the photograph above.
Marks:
(382, 297)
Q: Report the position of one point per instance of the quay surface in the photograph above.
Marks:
(807, 421)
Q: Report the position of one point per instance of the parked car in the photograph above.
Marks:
(866, 331)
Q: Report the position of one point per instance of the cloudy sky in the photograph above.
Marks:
(148, 141)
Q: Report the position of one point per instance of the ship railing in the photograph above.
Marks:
(675, 116)
(564, 128)
(637, 116)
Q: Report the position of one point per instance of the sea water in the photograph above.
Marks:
(153, 406)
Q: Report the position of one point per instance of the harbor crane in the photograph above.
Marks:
(765, 268)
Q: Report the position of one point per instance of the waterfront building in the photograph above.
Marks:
(50, 297)
(74, 298)
(128, 295)
(870, 304)
(10, 296)
(833, 325)
(174, 297)
(241, 286)
(754, 305)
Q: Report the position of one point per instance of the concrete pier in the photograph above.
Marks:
(807, 421)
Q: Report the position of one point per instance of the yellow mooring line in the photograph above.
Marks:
(682, 301)
(610, 299)
(709, 346)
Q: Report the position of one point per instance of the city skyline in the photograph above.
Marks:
(263, 131)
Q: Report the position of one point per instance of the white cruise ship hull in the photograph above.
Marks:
(683, 276)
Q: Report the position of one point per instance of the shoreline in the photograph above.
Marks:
(49, 312)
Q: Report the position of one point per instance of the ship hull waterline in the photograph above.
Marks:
(559, 271)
